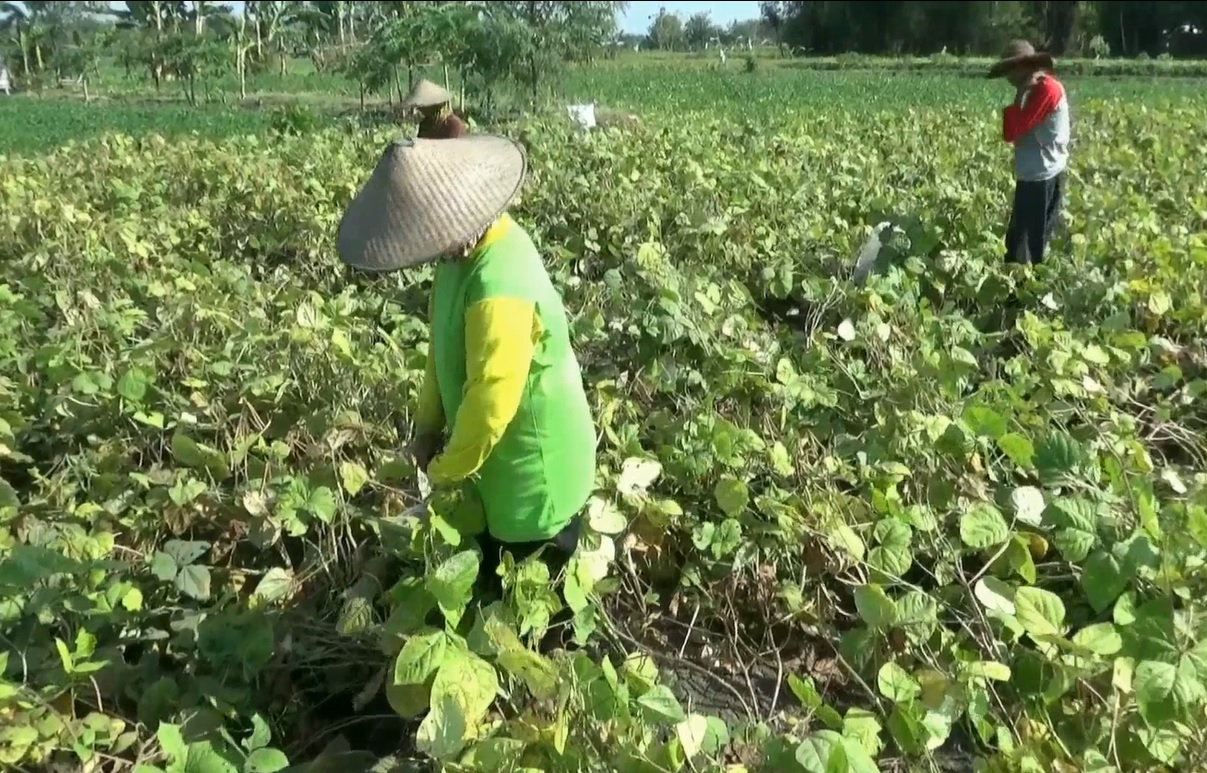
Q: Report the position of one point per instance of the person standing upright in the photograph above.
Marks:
(1037, 125)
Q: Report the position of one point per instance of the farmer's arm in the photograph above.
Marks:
(499, 345)
(1037, 104)
(429, 417)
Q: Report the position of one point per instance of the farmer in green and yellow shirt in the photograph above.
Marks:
(503, 393)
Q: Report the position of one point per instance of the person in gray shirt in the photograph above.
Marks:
(1037, 124)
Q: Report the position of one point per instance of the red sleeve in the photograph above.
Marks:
(1038, 105)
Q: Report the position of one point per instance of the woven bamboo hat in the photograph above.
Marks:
(1017, 53)
(428, 198)
(427, 94)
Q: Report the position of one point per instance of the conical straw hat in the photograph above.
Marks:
(1020, 52)
(428, 198)
(427, 94)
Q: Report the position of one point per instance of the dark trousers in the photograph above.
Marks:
(1035, 215)
(555, 552)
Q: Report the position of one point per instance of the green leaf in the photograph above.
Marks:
(260, 734)
(1154, 686)
(892, 561)
(8, 495)
(781, 462)
(163, 566)
(353, 477)
(274, 585)
(984, 422)
(1041, 612)
(197, 456)
(448, 532)
(84, 384)
(846, 538)
(983, 527)
(895, 683)
(194, 582)
(1159, 303)
(1095, 354)
(185, 552)
(420, 658)
(805, 691)
(265, 761)
(863, 727)
(1071, 513)
(917, 615)
(1018, 449)
(27, 564)
(172, 742)
(443, 732)
(1059, 456)
(133, 385)
(637, 475)
(892, 557)
(473, 681)
(604, 517)
(452, 583)
(204, 758)
(661, 706)
(691, 733)
(132, 600)
(1100, 638)
(640, 672)
(1074, 545)
(825, 751)
(875, 607)
(537, 673)
(732, 495)
(321, 504)
(988, 669)
(1102, 580)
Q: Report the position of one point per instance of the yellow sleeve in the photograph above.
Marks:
(429, 416)
(500, 339)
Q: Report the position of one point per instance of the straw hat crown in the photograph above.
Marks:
(1020, 52)
(427, 94)
(429, 198)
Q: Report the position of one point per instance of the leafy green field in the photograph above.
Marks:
(659, 89)
(955, 516)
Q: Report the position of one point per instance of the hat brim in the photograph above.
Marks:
(447, 199)
(1038, 59)
(427, 94)
(420, 102)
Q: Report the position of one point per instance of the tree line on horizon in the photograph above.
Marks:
(1121, 28)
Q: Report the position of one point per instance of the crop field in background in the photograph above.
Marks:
(951, 519)
(658, 87)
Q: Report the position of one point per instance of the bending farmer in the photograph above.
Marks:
(502, 378)
(437, 121)
(1037, 124)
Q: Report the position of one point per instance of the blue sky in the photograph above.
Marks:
(639, 15)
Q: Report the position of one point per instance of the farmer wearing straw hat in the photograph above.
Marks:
(437, 121)
(502, 379)
(1037, 124)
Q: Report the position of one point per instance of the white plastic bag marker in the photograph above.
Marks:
(582, 115)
